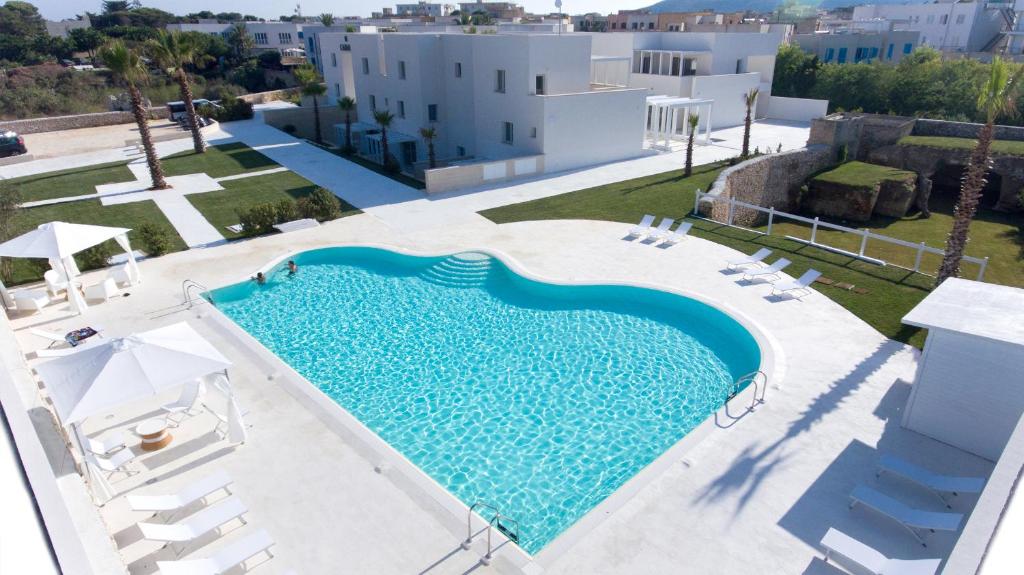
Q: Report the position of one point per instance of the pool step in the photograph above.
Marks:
(470, 269)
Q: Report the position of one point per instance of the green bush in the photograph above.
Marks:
(95, 257)
(286, 211)
(261, 218)
(230, 109)
(156, 241)
(321, 205)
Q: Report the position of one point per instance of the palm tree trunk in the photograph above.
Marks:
(384, 146)
(348, 131)
(198, 144)
(966, 205)
(746, 134)
(430, 154)
(689, 156)
(156, 171)
(316, 120)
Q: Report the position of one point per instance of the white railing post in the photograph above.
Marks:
(981, 269)
(917, 260)
(696, 203)
(814, 229)
(771, 217)
(732, 206)
(863, 241)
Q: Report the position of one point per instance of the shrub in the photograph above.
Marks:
(289, 128)
(156, 241)
(321, 205)
(230, 109)
(286, 211)
(261, 218)
(95, 257)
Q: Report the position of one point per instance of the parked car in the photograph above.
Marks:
(11, 144)
(177, 109)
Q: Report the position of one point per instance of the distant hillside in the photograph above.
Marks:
(755, 5)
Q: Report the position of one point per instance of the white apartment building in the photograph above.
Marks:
(280, 36)
(490, 97)
(424, 9)
(949, 26)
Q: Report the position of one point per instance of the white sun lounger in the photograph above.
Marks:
(799, 285)
(680, 233)
(188, 495)
(934, 482)
(197, 525)
(768, 272)
(841, 545)
(57, 337)
(220, 562)
(118, 462)
(191, 394)
(661, 232)
(757, 258)
(910, 518)
(106, 446)
(642, 228)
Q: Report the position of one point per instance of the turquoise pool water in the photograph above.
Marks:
(539, 399)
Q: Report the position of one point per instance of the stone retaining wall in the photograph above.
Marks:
(943, 128)
(271, 96)
(58, 123)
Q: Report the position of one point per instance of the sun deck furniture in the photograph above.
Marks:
(849, 550)
(223, 560)
(295, 225)
(680, 233)
(934, 482)
(186, 496)
(61, 352)
(191, 394)
(910, 518)
(104, 290)
(236, 228)
(642, 228)
(755, 259)
(106, 446)
(72, 338)
(198, 524)
(31, 300)
(661, 232)
(771, 271)
(118, 462)
(799, 285)
(121, 276)
(54, 282)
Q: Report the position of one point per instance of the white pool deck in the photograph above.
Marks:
(755, 497)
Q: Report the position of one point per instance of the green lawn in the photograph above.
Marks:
(88, 212)
(220, 208)
(862, 175)
(1009, 147)
(73, 182)
(892, 292)
(218, 161)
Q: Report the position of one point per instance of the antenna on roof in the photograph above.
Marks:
(558, 4)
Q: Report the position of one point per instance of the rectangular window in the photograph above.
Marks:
(373, 102)
(888, 52)
(634, 25)
(432, 112)
(334, 60)
(401, 69)
(908, 48)
(944, 19)
(829, 54)
(499, 83)
(507, 133)
(401, 108)
(739, 66)
(284, 37)
(960, 18)
(874, 53)
(842, 56)
(539, 85)
(337, 90)
(458, 69)
(533, 132)
(689, 67)
(366, 66)
(260, 38)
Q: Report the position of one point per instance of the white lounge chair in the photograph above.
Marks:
(121, 276)
(55, 283)
(106, 446)
(31, 300)
(62, 351)
(56, 337)
(118, 462)
(186, 496)
(641, 229)
(191, 394)
(849, 550)
(104, 290)
(755, 259)
(910, 518)
(228, 557)
(934, 482)
(198, 524)
(768, 272)
(680, 233)
(661, 232)
(799, 285)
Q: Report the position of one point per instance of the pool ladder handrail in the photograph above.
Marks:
(188, 286)
(494, 522)
(758, 379)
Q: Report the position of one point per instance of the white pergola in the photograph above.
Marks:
(667, 116)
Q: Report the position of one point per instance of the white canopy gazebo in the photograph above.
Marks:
(667, 116)
(58, 242)
(129, 369)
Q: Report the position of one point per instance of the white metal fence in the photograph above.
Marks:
(865, 235)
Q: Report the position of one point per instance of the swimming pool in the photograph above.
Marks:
(540, 399)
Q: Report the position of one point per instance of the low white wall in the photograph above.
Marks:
(451, 178)
(728, 92)
(795, 109)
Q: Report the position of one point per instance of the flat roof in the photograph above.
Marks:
(974, 308)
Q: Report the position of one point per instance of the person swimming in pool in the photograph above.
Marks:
(293, 268)
(260, 278)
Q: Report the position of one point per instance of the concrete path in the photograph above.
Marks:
(190, 223)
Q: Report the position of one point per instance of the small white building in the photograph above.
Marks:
(946, 25)
(969, 387)
(63, 28)
(278, 36)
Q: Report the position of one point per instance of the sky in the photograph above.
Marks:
(60, 9)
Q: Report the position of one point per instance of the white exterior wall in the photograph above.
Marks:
(338, 68)
(577, 126)
(978, 28)
(728, 92)
(969, 392)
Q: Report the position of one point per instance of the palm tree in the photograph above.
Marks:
(384, 119)
(174, 51)
(327, 19)
(750, 99)
(347, 105)
(309, 81)
(428, 135)
(127, 67)
(997, 99)
(691, 121)
(240, 41)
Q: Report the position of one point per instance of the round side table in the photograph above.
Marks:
(154, 434)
